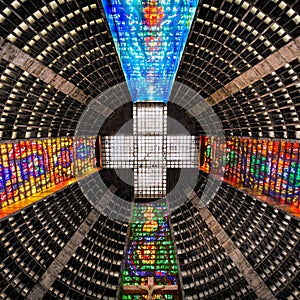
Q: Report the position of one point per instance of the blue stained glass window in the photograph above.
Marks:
(150, 37)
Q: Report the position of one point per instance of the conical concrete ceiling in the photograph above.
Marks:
(242, 57)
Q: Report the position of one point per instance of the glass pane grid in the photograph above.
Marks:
(156, 32)
(117, 152)
(150, 169)
(269, 167)
(182, 151)
(31, 166)
(150, 119)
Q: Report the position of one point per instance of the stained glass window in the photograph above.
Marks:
(28, 167)
(150, 37)
(205, 154)
(83, 154)
(270, 167)
(150, 251)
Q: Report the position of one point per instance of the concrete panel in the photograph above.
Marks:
(9, 52)
(263, 68)
(276, 60)
(231, 88)
(23, 60)
(67, 87)
(47, 75)
(290, 51)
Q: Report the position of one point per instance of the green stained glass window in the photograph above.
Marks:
(150, 250)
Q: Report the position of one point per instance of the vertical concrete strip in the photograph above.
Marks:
(22, 60)
(273, 62)
(253, 279)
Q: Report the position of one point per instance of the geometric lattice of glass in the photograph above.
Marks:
(270, 167)
(31, 166)
(150, 130)
(150, 251)
(118, 151)
(150, 37)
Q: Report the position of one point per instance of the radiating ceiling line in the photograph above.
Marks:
(249, 273)
(273, 62)
(19, 58)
